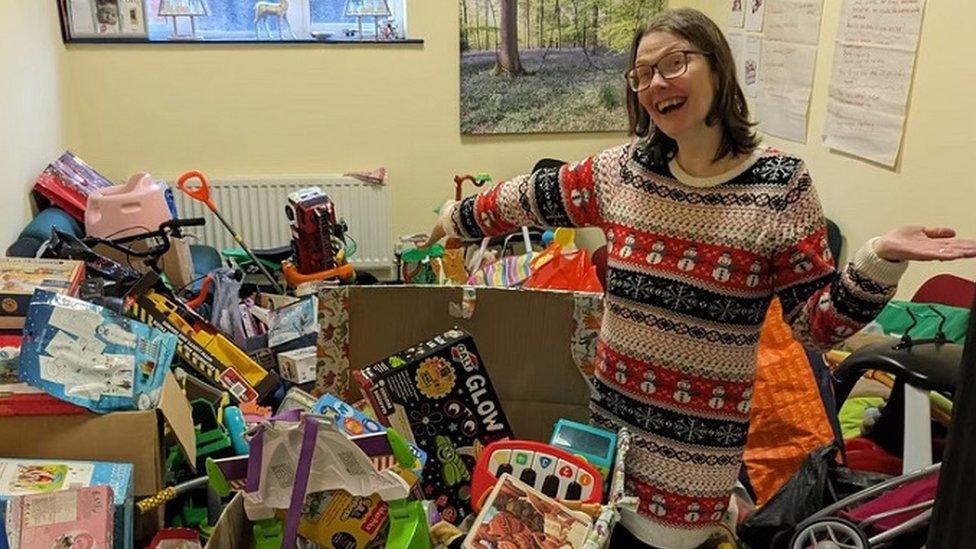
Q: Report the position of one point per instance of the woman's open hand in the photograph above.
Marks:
(917, 243)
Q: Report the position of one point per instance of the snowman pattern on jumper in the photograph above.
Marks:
(693, 513)
(825, 249)
(611, 236)
(723, 270)
(656, 255)
(746, 401)
(579, 197)
(718, 398)
(823, 303)
(658, 505)
(718, 511)
(621, 375)
(801, 263)
(688, 259)
(628, 248)
(488, 219)
(752, 280)
(647, 386)
(683, 393)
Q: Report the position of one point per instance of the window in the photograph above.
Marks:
(236, 20)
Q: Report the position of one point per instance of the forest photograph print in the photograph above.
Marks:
(546, 66)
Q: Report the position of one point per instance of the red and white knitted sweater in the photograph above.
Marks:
(692, 266)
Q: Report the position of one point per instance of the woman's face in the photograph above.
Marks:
(678, 106)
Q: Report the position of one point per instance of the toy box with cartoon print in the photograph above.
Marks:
(19, 277)
(338, 519)
(33, 476)
(438, 394)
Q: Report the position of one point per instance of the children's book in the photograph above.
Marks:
(517, 515)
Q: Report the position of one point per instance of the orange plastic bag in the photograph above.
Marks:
(573, 272)
(788, 416)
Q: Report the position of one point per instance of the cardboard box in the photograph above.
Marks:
(524, 337)
(47, 477)
(127, 437)
(19, 277)
(438, 395)
(297, 366)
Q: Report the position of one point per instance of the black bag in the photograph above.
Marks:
(819, 482)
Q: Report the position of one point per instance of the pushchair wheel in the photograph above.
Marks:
(830, 533)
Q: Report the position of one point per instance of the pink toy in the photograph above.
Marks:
(122, 210)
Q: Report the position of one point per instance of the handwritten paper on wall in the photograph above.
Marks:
(871, 77)
(789, 56)
(737, 13)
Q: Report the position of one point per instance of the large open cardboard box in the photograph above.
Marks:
(524, 337)
(129, 437)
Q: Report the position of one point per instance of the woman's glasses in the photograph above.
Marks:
(670, 66)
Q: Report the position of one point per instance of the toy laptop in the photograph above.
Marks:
(32, 476)
(438, 395)
(593, 444)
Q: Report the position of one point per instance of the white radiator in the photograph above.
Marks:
(255, 206)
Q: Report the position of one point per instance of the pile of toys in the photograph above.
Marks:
(104, 333)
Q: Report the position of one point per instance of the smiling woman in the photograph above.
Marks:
(234, 20)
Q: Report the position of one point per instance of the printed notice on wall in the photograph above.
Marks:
(751, 56)
(872, 76)
(789, 57)
(754, 14)
(737, 13)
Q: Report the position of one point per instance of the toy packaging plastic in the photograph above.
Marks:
(293, 321)
(337, 519)
(354, 423)
(67, 182)
(19, 477)
(516, 515)
(92, 357)
(79, 517)
(19, 277)
(294, 454)
(438, 394)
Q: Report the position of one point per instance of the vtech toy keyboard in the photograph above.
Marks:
(550, 470)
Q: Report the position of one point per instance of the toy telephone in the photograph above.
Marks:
(554, 472)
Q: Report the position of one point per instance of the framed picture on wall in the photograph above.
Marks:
(122, 19)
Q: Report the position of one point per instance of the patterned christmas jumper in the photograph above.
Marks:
(693, 264)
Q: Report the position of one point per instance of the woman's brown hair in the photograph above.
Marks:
(729, 106)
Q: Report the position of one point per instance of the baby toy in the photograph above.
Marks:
(595, 445)
(554, 472)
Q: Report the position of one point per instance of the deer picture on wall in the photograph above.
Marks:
(265, 11)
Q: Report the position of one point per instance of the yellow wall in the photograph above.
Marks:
(31, 97)
(243, 110)
(933, 183)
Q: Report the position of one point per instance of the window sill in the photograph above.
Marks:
(244, 41)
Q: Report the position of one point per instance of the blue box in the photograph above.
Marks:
(35, 476)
